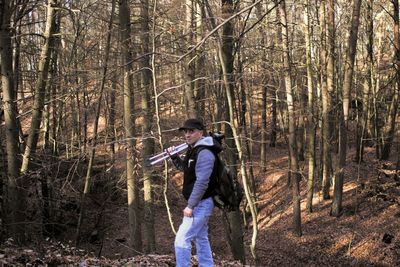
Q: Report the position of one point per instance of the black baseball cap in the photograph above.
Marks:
(192, 124)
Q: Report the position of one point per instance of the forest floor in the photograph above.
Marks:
(366, 234)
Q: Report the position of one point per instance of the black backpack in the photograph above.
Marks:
(228, 191)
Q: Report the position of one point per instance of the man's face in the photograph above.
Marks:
(192, 135)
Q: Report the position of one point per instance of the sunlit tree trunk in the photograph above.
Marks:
(390, 128)
(264, 105)
(200, 83)
(294, 167)
(346, 93)
(310, 111)
(40, 87)
(15, 197)
(135, 236)
(326, 135)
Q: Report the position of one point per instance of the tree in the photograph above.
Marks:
(89, 169)
(135, 236)
(390, 127)
(148, 141)
(294, 166)
(346, 92)
(40, 88)
(311, 128)
(326, 99)
(233, 226)
(15, 197)
(369, 84)
(190, 62)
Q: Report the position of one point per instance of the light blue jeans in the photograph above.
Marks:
(195, 229)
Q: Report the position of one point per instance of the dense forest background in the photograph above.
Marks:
(306, 93)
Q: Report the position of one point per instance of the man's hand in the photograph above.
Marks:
(170, 151)
(188, 212)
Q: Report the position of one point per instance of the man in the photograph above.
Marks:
(199, 167)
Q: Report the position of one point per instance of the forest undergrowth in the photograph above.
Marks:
(366, 234)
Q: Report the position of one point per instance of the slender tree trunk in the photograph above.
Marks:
(294, 167)
(43, 69)
(190, 62)
(346, 93)
(148, 141)
(225, 54)
(263, 152)
(310, 106)
(326, 138)
(390, 128)
(135, 236)
(274, 127)
(112, 119)
(200, 84)
(264, 105)
(15, 197)
(95, 127)
(362, 125)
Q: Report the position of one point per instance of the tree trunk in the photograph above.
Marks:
(362, 124)
(112, 119)
(310, 117)
(190, 62)
(226, 58)
(148, 141)
(294, 167)
(200, 84)
(264, 105)
(40, 87)
(135, 237)
(390, 127)
(326, 161)
(15, 197)
(347, 85)
(95, 127)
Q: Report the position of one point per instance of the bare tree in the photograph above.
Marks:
(346, 92)
(148, 140)
(390, 127)
(326, 99)
(40, 88)
(310, 106)
(15, 197)
(233, 225)
(135, 236)
(89, 169)
(294, 166)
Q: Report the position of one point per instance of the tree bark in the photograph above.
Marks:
(310, 117)
(226, 58)
(362, 124)
(326, 137)
(40, 87)
(336, 208)
(190, 62)
(15, 197)
(148, 141)
(89, 170)
(294, 167)
(390, 127)
(135, 236)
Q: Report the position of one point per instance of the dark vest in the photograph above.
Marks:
(189, 177)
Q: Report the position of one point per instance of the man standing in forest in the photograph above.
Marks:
(199, 167)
